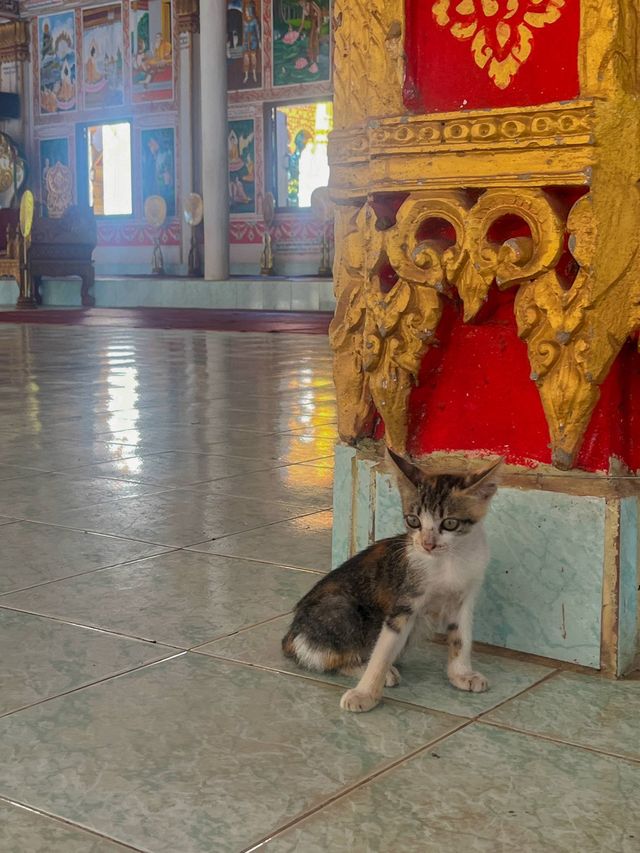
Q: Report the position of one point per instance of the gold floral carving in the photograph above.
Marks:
(572, 334)
(378, 337)
(368, 59)
(500, 31)
(514, 260)
(355, 409)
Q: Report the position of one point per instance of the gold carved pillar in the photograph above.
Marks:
(397, 170)
(14, 56)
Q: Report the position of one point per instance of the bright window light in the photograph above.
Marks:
(109, 152)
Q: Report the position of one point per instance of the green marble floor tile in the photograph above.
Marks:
(266, 449)
(295, 484)
(288, 449)
(181, 598)
(175, 518)
(327, 462)
(43, 497)
(24, 831)
(423, 670)
(172, 468)
(62, 455)
(198, 756)
(13, 472)
(33, 553)
(302, 542)
(42, 657)
(483, 790)
(583, 709)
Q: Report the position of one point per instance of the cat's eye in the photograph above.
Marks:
(412, 521)
(450, 524)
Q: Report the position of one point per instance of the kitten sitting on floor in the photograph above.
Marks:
(357, 619)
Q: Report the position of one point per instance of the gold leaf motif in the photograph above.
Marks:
(514, 260)
(500, 30)
(355, 412)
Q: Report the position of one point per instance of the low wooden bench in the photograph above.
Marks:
(63, 248)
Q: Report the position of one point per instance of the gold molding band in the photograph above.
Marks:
(14, 41)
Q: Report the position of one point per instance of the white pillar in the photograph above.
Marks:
(186, 137)
(215, 167)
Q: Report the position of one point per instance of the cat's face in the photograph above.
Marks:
(440, 511)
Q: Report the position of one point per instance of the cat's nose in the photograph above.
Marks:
(428, 543)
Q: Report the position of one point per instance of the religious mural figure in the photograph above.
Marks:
(103, 60)
(241, 150)
(57, 62)
(152, 51)
(53, 152)
(301, 41)
(244, 44)
(158, 166)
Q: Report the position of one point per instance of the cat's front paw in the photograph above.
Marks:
(472, 682)
(357, 701)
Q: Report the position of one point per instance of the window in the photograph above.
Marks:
(300, 135)
(107, 166)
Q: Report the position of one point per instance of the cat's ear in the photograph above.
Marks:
(484, 484)
(413, 474)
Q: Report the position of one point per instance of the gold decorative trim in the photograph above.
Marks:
(369, 59)
(14, 41)
(556, 125)
(188, 16)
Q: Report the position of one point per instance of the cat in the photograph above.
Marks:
(357, 619)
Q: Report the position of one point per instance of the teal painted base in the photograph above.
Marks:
(277, 294)
(543, 592)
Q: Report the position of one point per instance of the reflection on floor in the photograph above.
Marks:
(165, 498)
(305, 322)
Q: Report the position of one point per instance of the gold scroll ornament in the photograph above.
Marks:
(573, 335)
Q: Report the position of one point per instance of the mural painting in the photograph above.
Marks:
(301, 41)
(158, 166)
(242, 158)
(102, 46)
(57, 62)
(151, 51)
(52, 152)
(244, 44)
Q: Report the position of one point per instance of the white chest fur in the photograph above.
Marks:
(453, 576)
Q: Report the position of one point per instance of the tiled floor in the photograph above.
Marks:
(164, 500)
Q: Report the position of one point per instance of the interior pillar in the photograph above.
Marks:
(215, 171)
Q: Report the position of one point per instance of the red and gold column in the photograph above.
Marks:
(485, 163)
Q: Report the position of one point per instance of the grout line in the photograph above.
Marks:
(133, 560)
(235, 634)
(179, 653)
(305, 675)
(350, 789)
(173, 546)
(65, 822)
(558, 741)
(307, 570)
(546, 677)
(305, 514)
(99, 630)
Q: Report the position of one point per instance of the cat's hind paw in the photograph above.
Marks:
(356, 701)
(393, 678)
(472, 682)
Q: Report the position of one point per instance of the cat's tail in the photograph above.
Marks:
(288, 647)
